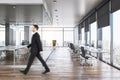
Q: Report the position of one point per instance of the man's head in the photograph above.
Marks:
(35, 28)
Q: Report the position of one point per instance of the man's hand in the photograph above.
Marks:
(25, 48)
(41, 53)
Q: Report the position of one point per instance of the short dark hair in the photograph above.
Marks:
(36, 26)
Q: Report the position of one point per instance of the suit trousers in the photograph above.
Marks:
(30, 61)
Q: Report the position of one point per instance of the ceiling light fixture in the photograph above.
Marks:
(14, 7)
(56, 10)
(54, 1)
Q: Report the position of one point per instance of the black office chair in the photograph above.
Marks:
(72, 49)
(85, 57)
(71, 46)
(25, 42)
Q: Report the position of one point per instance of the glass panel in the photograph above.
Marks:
(83, 37)
(40, 32)
(116, 38)
(93, 30)
(19, 34)
(76, 34)
(48, 36)
(106, 43)
(68, 37)
(2, 35)
(94, 34)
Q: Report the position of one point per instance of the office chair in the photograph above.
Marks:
(85, 57)
(71, 48)
(74, 50)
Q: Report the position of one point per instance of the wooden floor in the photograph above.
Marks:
(63, 67)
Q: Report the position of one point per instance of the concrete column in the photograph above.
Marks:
(100, 40)
(7, 32)
(26, 33)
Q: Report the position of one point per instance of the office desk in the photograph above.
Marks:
(12, 48)
(96, 50)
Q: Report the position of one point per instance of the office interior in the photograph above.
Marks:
(92, 24)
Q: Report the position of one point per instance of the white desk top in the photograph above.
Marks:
(95, 50)
(11, 47)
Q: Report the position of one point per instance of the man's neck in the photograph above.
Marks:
(34, 32)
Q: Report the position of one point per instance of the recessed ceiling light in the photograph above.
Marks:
(54, 1)
(56, 10)
(14, 7)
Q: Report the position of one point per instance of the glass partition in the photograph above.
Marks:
(106, 44)
(83, 36)
(68, 36)
(2, 35)
(93, 30)
(93, 36)
(116, 38)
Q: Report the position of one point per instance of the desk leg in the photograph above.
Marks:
(98, 55)
(14, 58)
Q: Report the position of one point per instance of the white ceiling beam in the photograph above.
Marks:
(47, 10)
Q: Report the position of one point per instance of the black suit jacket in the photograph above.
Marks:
(36, 45)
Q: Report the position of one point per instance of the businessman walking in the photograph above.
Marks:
(36, 51)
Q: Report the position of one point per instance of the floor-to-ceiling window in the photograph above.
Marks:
(83, 36)
(61, 35)
(106, 44)
(2, 35)
(93, 36)
(19, 34)
(68, 35)
(49, 34)
(116, 38)
(93, 28)
(76, 34)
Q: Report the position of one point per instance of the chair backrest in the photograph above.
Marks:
(72, 46)
(68, 45)
(83, 51)
(25, 42)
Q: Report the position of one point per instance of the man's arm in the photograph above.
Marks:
(39, 43)
(29, 46)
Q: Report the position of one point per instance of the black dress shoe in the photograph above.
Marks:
(22, 71)
(46, 71)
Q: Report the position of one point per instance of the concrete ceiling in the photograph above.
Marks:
(64, 13)
(21, 14)
(84, 7)
(68, 13)
(24, 12)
